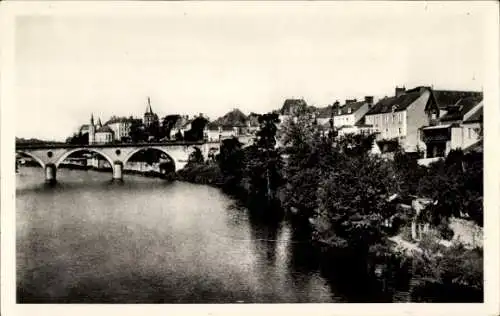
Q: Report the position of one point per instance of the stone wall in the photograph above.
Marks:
(467, 232)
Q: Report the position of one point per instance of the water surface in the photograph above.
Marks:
(89, 240)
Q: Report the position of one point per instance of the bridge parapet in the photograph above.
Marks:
(109, 145)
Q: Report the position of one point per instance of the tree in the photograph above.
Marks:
(408, 173)
(230, 162)
(353, 202)
(309, 156)
(137, 132)
(178, 136)
(154, 130)
(78, 139)
(338, 186)
(195, 157)
(168, 122)
(457, 187)
(262, 160)
(196, 131)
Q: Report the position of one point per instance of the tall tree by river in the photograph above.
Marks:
(263, 163)
(337, 185)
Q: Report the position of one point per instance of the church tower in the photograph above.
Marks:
(149, 115)
(91, 130)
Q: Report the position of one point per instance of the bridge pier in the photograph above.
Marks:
(118, 171)
(50, 173)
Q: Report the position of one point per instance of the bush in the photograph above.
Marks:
(445, 232)
(405, 233)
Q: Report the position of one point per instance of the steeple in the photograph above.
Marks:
(92, 119)
(149, 109)
(99, 124)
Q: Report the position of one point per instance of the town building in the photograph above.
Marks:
(449, 98)
(347, 118)
(104, 135)
(291, 108)
(232, 124)
(99, 134)
(398, 119)
(215, 132)
(120, 127)
(459, 128)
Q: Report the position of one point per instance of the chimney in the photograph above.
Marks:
(369, 100)
(400, 91)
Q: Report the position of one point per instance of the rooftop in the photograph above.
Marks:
(446, 98)
(395, 104)
(114, 120)
(476, 117)
(104, 129)
(461, 107)
(348, 108)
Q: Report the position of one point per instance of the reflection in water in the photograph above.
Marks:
(89, 240)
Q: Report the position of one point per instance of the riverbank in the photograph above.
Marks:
(396, 269)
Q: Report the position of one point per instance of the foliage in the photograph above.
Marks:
(408, 173)
(178, 136)
(196, 131)
(262, 161)
(78, 139)
(137, 132)
(168, 122)
(456, 184)
(353, 200)
(449, 267)
(201, 173)
(339, 184)
(229, 160)
(196, 157)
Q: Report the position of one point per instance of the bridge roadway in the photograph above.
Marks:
(50, 156)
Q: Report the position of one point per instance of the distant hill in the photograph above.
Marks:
(232, 118)
(35, 141)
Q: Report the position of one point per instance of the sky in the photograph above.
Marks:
(194, 59)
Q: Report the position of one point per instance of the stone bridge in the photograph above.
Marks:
(51, 156)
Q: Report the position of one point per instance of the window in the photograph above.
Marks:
(469, 132)
(399, 130)
(400, 117)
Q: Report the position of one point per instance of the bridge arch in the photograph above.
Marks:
(72, 151)
(35, 157)
(135, 151)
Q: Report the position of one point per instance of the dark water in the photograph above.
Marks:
(150, 241)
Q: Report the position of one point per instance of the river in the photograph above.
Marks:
(89, 240)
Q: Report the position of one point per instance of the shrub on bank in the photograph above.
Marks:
(451, 274)
(201, 173)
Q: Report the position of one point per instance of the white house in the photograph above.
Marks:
(120, 127)
(459, 127)
(104, 135)
(398, 119)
